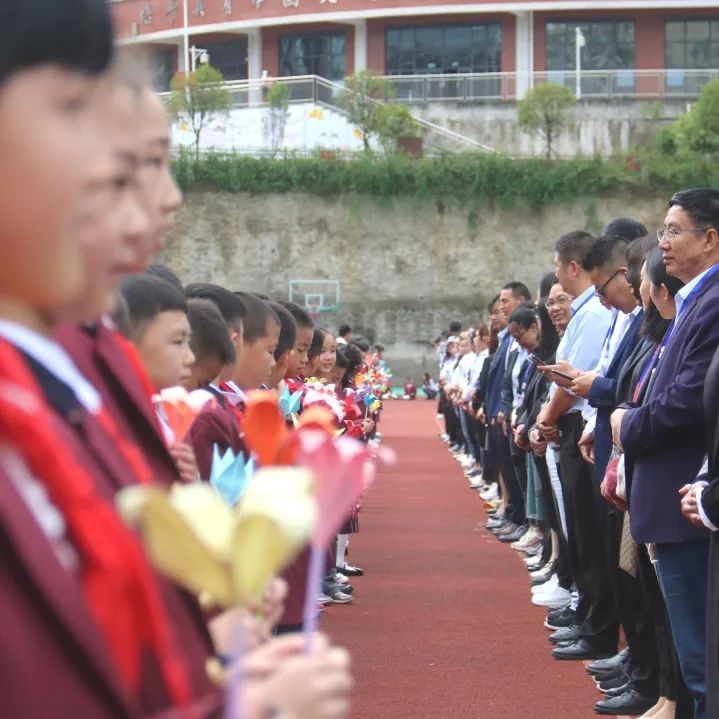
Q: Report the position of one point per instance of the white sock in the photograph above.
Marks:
(342, 541)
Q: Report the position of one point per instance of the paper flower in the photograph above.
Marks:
(289, 403)
(324, 395)
(180, 408)
(195, 538)
(229, 474)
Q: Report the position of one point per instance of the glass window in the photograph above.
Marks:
(609, 45)
(164, 65)
(444, 49)
(228, 56)
(691, 44)
(320, 54)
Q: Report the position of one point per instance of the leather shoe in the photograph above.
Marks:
(565, 635)
(582, 649)
(631, 703)
(617, 680)
(603, 665)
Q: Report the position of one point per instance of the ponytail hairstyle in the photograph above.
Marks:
(527, 315)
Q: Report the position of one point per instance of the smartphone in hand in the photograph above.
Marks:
(557, 373)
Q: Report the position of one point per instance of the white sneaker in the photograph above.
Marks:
(476, 482)
(341, 579)
(467, 461)
(491, 493)
(323, 599)
(549, 586)
(554, 600)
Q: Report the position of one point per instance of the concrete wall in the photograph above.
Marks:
(606, 128)
(407, 269)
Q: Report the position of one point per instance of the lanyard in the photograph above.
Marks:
(608, 338)
(576, 312)
(646, 373)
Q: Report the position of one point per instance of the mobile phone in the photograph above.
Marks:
(562, 375)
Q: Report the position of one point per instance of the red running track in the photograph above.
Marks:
(442, 626)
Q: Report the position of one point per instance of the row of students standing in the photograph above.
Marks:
(90, 629)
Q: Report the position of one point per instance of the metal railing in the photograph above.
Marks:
(478, 87)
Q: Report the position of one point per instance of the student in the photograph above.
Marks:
(260, 335)
(210, 344)
(337, 374)
(303, 340)
(285, 344)
(327, 357)
(344, 336)
(314, 352)
(160, 330)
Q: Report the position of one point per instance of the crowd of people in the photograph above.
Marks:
(586, 416)
(101, 355)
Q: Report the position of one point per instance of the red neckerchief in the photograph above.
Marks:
(117, 582)
(237, 409)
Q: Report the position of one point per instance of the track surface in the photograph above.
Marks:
(442, 626)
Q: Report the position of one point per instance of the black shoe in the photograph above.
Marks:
(613, 682)
(567, 634)
(603, 665)
(619, 690)
(630, 703)
(582, 649)
(514, 536)
(561, 619)
(349, 571)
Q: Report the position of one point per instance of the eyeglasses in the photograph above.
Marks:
(670, 233)
(599, 292)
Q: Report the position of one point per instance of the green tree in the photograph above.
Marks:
(362, 97)
(392, 123)
(697, 130)
(275, 119)
(197, 97)
(545, 111)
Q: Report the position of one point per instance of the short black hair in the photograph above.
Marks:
(492, 302)
(574, 246)
(701, 204)
(519, 290)
(606, 251)
(146, 298)
(257, 314)
(209, 332)
(288, 330)
(546, 283)
(379, 348)
(230, 306)
(318, 339)
(301, 315)
(528, 314)
(344, 330)
(455, 327)
(625, 228)
(362, 343)
(76, 34)
(165, 273)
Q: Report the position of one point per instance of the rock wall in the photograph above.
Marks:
(406, 269)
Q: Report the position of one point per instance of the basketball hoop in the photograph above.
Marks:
(313, 310)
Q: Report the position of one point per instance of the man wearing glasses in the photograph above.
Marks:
(666, 436)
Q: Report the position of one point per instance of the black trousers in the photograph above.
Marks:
(586, 544)
(499, 449)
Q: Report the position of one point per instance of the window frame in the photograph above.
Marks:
(315, 34)
(710, 20)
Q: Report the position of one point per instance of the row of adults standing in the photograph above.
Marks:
(604, 446)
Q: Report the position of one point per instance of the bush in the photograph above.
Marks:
(394, 122)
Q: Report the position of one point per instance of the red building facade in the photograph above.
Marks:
(334, 38)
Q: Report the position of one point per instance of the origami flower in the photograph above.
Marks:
(180, 408)
(289, 403)
(229, 474)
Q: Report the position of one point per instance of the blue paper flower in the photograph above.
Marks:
(229, 474)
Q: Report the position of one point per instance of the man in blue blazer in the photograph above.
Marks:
(666, 436)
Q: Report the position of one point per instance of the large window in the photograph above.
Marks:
(164, 66)
(692, 44)
(229, 57)
(444, 49)
(609, 45)
(321, 54)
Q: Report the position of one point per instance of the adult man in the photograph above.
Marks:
(580, 349)
(608, 268)
(666, 436)
(511, 296)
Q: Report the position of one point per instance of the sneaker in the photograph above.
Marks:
(473, 472)
(529, 541)
(350, 571)
(322, 598)
(495, 522)
(566, 617)
(549, 586)
(491, 494)
(341, 578)
(341, 598)
(476, 482)
(559, 597)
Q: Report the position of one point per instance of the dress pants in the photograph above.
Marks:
(683, 573)
(586, 544)
(499, 449)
